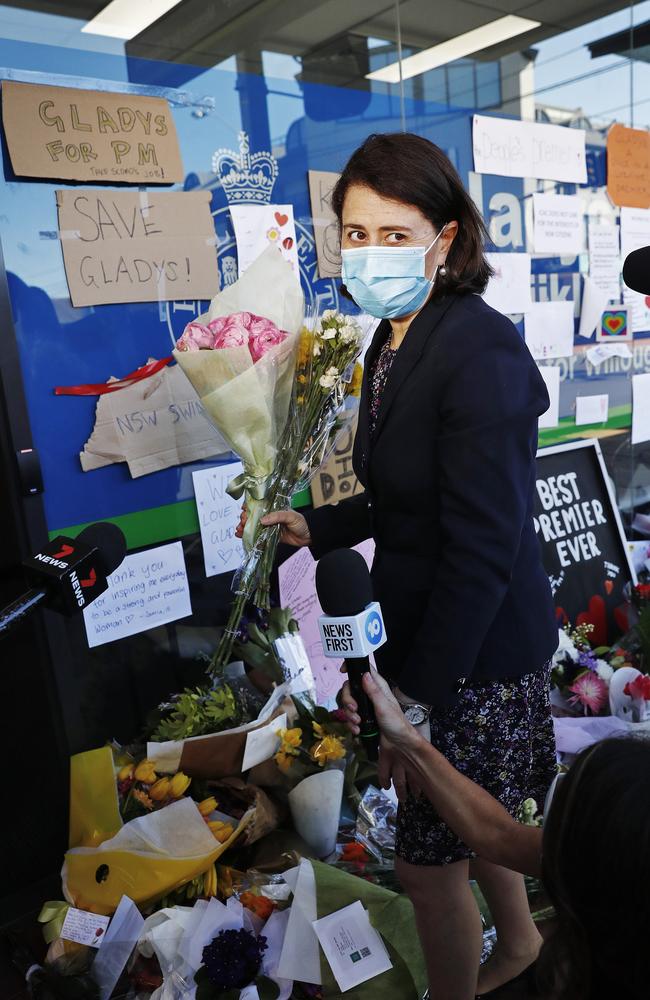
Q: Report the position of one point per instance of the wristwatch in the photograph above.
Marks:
(414, 713)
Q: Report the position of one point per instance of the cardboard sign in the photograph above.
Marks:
(335, 480)
(90, 135)
(326, 227)
(579, 528)
(137, 246)
(628, 166)
(152, 425)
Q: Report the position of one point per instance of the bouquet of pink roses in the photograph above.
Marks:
(242, 364)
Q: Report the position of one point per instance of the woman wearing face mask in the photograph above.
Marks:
(445, 449)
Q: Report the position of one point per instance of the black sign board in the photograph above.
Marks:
(584, 550)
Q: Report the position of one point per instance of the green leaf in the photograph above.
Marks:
(601, 650)
(267, 989)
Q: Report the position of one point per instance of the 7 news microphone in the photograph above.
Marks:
(68, 573)
(351, 627)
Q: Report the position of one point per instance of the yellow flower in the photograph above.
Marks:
(304, 349)
(145, 772)
(354, 388)
(284, 761)
(290, 740)
(126, 772)
(207, 806)
(179, 785)
(160, 790)
(221, 831)
(328, 749)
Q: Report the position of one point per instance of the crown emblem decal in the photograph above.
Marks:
(244, 177)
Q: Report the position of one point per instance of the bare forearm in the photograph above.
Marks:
(472, 813)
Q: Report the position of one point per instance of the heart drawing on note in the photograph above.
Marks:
(225, 554)
(281, 219)
(614, 324)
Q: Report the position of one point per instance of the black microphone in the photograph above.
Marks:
(351, 626)
(636, 270)
(68, 573)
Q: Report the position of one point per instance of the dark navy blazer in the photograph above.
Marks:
(449, 477)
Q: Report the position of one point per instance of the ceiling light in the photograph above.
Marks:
(127, 18)
(455, 48)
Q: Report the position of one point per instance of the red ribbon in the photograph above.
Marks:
(100, 388)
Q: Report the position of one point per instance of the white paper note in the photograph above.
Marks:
(551, 376)
(84, 927)
(592, 409)
(300, 959)
(262, 743)
(258, 225)
(559, 223)
(218, 518)
(354, 949)
(635, 229)
(640, 408)
(120, 940)
(594, 302)
(638, 306)
(527, 149)
(508, 289)
(295, 663)
(605, 258)
(601, 352)
(548, 328)
(149, 588)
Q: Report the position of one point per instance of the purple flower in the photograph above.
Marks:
(233, 959)
(587, 661)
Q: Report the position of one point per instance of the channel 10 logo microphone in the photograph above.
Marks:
(353, 636)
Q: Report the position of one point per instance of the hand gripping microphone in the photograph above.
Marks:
(352, 627)
(68, 573)
(636, 270)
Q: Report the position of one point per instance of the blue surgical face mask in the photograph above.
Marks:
(387, 282)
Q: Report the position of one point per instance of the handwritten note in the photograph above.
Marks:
(592, 409)
(559, 223)
(605, 258)
(638, 307)
(90, 135)
(83, 927)
(218, 518)
(551, 376)
(326, 228)
(635, 229)
(548, 329)
(508, 289)
(628, 166)
(137, 246)
(602, 352)
(640, 408)
(258, 225)
(527, 149)
(149, 588)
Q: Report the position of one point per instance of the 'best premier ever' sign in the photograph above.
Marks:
(90, 135)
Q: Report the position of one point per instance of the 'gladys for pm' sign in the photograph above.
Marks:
(353, 636)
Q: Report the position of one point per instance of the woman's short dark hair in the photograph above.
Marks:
(409, 168)
(596, 870)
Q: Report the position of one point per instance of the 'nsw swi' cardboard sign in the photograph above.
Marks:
(579, 528)
(137, 246)
(89, 135)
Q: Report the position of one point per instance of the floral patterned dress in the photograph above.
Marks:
(499, 733)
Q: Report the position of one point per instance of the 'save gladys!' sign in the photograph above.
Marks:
(89, 135)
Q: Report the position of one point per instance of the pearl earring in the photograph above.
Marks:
(442, 271)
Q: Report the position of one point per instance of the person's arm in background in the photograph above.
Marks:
(467, 809)
(485, 460)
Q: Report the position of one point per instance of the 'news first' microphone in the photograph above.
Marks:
(68, 573)
(352, 627)
(636, 271)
